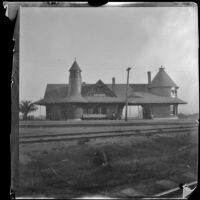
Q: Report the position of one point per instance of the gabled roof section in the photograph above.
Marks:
(99, 83)
(138, 94)
(56, 91)
(97, 89)
(120, 90)
(148, 98)
(75, 67)
(162, 79)
(140, 87)
(53, 93)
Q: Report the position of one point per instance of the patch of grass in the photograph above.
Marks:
(132, 164)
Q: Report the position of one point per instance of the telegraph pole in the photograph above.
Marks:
(126, 108)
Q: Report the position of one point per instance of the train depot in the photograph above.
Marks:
(78, 100)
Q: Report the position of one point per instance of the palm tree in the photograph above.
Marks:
(25, 107)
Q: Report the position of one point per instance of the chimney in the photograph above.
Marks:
(149, 77)
(113, 84)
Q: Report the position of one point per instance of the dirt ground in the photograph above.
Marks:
(148, 165)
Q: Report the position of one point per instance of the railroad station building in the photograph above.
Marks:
(158, 98)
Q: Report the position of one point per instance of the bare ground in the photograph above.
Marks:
(148, 164)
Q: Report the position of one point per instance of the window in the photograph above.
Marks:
(172, 109)
(173, 92)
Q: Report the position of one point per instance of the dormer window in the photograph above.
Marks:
(173, 92)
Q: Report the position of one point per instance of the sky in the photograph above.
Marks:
(105, 42)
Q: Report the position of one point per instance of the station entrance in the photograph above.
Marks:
(134, 112)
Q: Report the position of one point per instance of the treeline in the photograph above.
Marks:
(194, 116)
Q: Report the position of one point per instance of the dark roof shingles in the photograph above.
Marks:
(138, 94)
(162, 79)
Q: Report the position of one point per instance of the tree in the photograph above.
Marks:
(25, 107)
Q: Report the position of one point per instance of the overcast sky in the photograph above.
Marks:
(105, 41)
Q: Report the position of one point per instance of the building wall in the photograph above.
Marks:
(75, 111)
(53, 112)
(56, 112)
(147, 112)
(161, 111)
(102, 108)
(119, 111)
(63, 111)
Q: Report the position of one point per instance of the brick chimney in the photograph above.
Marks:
(113, 84)
(149, 77)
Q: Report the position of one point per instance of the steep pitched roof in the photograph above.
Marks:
(98, 88)
(56, 91)
(139, 87)
(148, 98)
(138, 94)
(162, 79)
(120, 90)
(75, 67)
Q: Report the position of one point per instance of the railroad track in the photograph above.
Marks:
(86, 135)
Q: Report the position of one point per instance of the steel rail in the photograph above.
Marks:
(93, 135)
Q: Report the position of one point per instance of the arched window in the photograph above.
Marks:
(173, 92)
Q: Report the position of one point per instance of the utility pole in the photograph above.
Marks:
(126, 108)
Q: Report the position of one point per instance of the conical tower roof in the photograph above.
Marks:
(162, 79)
(75, 66)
